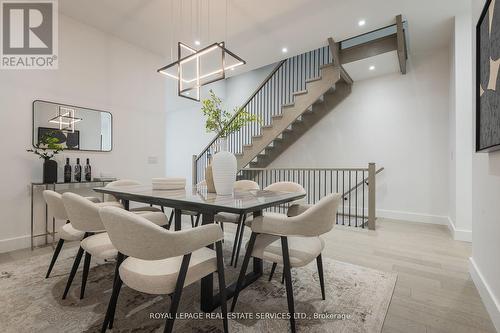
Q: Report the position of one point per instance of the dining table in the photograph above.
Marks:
(208, 204)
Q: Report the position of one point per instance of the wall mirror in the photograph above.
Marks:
(77, 128)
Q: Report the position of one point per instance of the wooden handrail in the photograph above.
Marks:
(268, 77)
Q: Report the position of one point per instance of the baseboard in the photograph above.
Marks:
(412, 217)
(459, 234)
(489, 300)
(16, 243)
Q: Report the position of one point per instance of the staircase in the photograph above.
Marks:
(297, 94)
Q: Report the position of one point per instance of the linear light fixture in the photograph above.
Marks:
(65, 117)
(198, 59)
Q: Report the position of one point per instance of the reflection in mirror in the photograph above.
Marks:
(76, 128)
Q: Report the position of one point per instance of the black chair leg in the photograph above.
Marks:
(192, 221)
(177, 294)
(54, 256)
(197, 220)
(162, 209)
(283, 277)
(319, 263)
(86, 267)
(288, 280)
(110, 313)
(242, 231)
(222, 285)
(72, 274)
(272, 271)
(235, 244)
(117, 284)
(243, 270)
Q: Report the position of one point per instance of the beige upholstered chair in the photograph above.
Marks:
(84, 216)
(169, 262)
(129, 182)
(292, 241)
(67, 232)
(221, 218)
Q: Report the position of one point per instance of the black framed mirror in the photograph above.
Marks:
(75, 127)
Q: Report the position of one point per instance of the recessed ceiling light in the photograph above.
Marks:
(361, 23)
(197, 42)
(188, 93)
(232, 68)
(284, 50)
(372, 68)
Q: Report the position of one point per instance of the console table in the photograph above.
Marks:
(54, 187)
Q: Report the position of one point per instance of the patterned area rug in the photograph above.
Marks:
(357, 300)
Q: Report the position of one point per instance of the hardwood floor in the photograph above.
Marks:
(434, 292)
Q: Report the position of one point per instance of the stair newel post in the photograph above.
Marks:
(371, 196)
(195, 171)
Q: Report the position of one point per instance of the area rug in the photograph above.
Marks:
(357, 300)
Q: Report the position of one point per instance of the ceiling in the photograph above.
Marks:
(257, 30)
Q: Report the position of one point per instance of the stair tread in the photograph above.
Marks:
(317, 78)
(300, 92)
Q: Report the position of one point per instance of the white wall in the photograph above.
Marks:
(399, 122)
(461, 142)
(97, 71)
(485, 267)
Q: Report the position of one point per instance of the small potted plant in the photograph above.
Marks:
(222, 123)
(48, 147)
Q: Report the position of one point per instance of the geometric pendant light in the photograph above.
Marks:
(196, 68)
(65, 119)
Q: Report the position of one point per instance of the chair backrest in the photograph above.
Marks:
(320, 218)
(246, 185)
(83, 213)
(55, 204)
(285, 187)
(116, 183)
(135, 236)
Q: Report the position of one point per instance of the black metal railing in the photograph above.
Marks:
(356, 185)
(289, 76)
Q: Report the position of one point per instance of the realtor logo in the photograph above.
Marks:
(29, 34)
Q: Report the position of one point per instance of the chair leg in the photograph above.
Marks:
(319, 263)
(272, 271)
(86, 267)
(54, 256)
(283, 277)
(242, 231)
(192, 221)
(197, 220)
(72, 274)
(177, 294)
(119, 259)
(222, 285)
(243, 270)
(162, 209)
(117, 283)
(110, 313)
(288, 280)
(235, 244)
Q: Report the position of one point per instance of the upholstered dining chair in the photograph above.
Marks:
(169, 262)
(66, 232)
(129, 182)
(293, 241)
(239, 220)
(84, 216)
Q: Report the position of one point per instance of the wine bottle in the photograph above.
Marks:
(78, 171)
(88, 171)
(67, 172)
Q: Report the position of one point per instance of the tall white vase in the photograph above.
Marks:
(224, 168)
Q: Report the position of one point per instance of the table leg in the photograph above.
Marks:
(177, 219)
(209, 302)
(32, 225)
(126, 204)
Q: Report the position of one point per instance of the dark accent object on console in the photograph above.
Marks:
(488, 79)
(49, 171)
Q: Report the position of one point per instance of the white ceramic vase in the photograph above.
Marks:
(224, 168)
